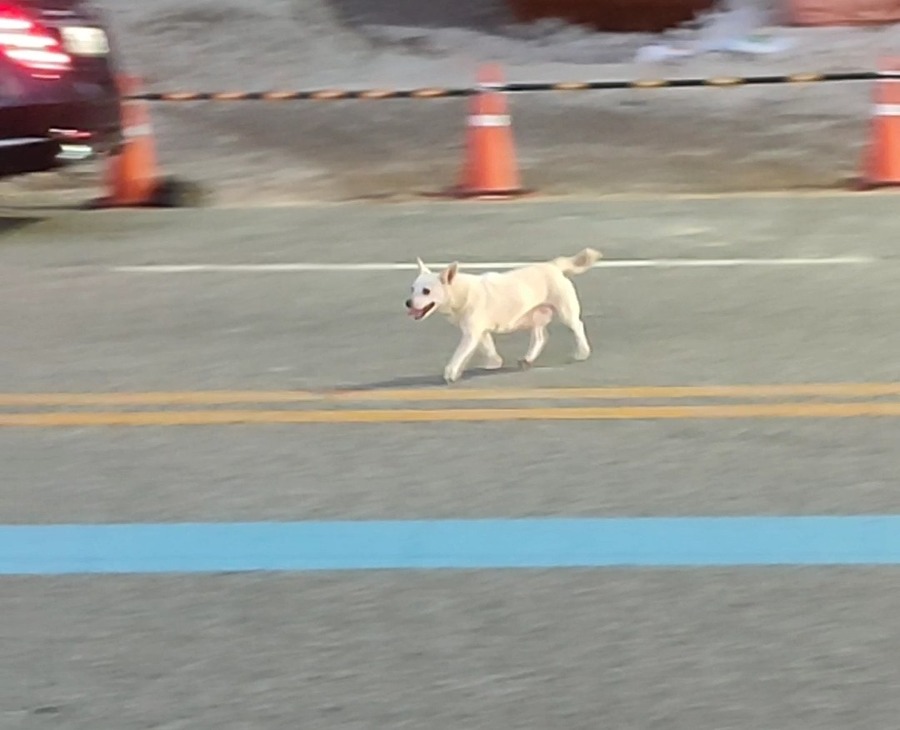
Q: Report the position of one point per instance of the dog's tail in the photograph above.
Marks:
(579, 263)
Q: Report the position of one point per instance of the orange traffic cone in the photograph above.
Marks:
(490, 169)
(881, 164)
(132, 177)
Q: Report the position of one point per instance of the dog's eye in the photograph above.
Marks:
(426, 292)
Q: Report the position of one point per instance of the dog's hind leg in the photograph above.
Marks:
(539, 318)
(492, 359)
(538, 341)
(568, 308)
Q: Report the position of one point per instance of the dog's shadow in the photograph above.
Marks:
(422, 381)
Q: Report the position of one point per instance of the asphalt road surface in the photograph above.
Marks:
(150, 311)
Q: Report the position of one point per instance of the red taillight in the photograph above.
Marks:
(27, 43)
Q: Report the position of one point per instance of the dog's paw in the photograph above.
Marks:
(525, 364)
(581, 355)
(493, 364)
(450, 376)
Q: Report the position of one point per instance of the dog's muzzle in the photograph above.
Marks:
(419, 313)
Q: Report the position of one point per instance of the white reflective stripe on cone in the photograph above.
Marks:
(139, 130)
(489, 120)
(887, 110)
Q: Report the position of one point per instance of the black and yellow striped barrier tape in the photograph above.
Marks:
(441, 93)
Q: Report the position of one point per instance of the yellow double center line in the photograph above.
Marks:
(209, 408)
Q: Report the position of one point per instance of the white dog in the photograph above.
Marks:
(521, 299)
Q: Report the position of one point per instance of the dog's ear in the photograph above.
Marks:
(423, 269)
(449, 274)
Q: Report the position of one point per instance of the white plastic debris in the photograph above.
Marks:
(735, 29)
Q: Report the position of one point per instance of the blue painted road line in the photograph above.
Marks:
(448, 544)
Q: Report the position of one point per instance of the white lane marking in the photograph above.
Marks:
(309, 267)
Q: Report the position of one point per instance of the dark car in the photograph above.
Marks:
(58, 97)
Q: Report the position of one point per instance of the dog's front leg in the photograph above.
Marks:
(466, 348)
(492, 359)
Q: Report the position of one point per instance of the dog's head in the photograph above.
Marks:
(429, 291)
